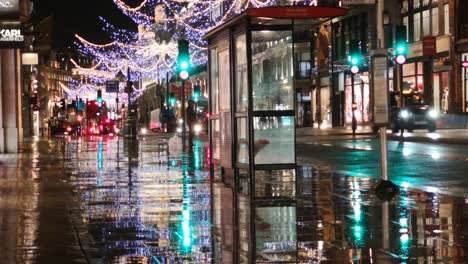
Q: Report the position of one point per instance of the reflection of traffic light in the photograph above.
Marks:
(354, 56)
(196, 93)
(401, 48)
(99, 97)
(183, 60)
(172, 99)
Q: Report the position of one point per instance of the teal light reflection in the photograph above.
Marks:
(100, 162)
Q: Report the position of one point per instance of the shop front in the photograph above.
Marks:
(431, 80)
(431, 76)
(361, 98)
(464, 80)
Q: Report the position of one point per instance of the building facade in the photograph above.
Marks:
(460, 27)
(14, 15)
(433, 76)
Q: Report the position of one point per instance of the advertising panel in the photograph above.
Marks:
(11, 36)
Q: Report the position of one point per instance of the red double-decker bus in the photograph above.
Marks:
(98, 121)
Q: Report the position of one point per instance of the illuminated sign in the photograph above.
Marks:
(9, 9)
(465, 64)
(11, 35)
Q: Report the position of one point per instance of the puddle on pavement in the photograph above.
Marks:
(145, 203)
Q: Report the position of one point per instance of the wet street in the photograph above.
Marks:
(108, 200)
(432, 167)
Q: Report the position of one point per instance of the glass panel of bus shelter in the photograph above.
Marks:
(242, 140)
(241, 74)
(276, 234)
(275, 184)
(243, 207)
(214, 80)
(272, 70)
(215, 133)
(274, 139)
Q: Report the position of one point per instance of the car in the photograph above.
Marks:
(415, 114)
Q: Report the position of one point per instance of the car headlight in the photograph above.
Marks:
(433, 114)
(197, 128)
(404, 114)
(181, 121)
(144, 131)
(179, 130)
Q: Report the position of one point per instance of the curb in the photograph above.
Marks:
(429, 140)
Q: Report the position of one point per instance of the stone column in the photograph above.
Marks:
(2, 140)
(9, 100)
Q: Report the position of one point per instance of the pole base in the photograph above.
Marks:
(386, 190)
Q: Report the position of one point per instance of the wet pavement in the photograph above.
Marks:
(107, 200)
(440, 168)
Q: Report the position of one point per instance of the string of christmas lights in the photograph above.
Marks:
(152, 52)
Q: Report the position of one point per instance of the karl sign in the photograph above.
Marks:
(11, 35)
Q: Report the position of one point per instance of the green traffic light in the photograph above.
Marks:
(401, 49)
(184, 65)
(354, 60)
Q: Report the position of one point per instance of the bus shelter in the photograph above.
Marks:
(252, 126)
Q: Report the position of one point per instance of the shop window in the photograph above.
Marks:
(426, 23)
(303, 63)
(417, 26)
(361, 97)
(274, 90)
(241, 73)
(435, 21)
(446, 19)
(409, 69)
(405, 23)
(416, 4)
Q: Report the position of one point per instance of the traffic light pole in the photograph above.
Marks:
(353, 107)
(184, 114)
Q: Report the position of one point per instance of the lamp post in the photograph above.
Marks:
(130, 122)
(120, 77)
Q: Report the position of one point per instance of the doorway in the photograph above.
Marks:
(441, 91)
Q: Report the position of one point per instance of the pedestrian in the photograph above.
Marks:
(191, 120)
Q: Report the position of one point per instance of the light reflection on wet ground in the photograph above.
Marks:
(147, 202)
(142, 204)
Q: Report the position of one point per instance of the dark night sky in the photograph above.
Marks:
(82, 17)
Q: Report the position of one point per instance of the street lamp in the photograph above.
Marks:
(120, 77)
(130, 123)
